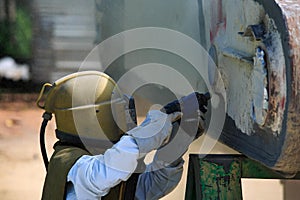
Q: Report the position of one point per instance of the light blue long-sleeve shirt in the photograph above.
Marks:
(91, 177)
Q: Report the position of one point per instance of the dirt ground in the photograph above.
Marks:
(21, 167)
(22, 171)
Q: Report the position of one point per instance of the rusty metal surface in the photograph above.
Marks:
(290, 155)
(291, 12)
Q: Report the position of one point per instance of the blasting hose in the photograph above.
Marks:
(47, 117)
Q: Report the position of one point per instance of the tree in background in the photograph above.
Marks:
(15, 29)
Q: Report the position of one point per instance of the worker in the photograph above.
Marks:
(104, 160)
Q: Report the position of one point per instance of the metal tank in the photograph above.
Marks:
(255, 46)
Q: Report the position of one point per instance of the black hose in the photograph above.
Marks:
(47, 117)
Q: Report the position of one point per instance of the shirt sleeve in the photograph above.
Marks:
(158, 180)
(92, 176)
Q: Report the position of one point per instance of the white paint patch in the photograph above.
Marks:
(239, 92)
(237, 70)
(243, 71)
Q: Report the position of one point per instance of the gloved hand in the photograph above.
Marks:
(192, 124)
(170, 154)
(153, 131)
(193, 107)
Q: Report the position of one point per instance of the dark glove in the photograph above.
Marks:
(185, 130)
(188, 103)
(193, 107)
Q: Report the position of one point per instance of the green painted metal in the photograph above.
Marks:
(253, 169)
(219, 181)
(218, 177)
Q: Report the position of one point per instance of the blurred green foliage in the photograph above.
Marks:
(16, 37)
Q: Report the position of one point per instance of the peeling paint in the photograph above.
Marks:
(251, 61)
(259, 88)
(236, 63)
(263, 91)
(277, 78)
